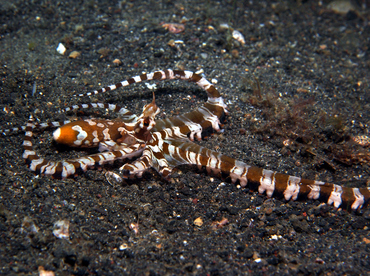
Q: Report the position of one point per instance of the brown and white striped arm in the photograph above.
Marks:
(207, 116)
(66, 168)
(266, 181)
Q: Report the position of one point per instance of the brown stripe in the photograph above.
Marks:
(179, 73)
(146, 162)
(183, 154)
(215, 109)
(118, 85)
(118, 154)
(348, 197)
(28, 138)
(165, 148)
(213, 92)
(76, 165)
(58, 171)
(166, 173)
(131, 81)
(195, 78)
(38, 167)
(304, 189)
(33, 157)
(254, 175)
(143, 77)
(97, 158)
(281, 183)
(157, 75)
(227, 164)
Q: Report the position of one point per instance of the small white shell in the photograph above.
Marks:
(238, 36)
(61, 49)
(224, 26)
(61, 229)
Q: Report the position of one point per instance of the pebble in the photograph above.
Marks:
(198, 222)
(61, 49)
(103, 52)
(174, 28)
(341, 6)
(117, 62)
(224, 26)
(123, 246)
(362, 140)
(61, 229)
(204, 55)
(238, 37)
(74, 54)
(235, 53)
(43, 272)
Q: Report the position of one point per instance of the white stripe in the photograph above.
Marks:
(68, 169)
(49, 170)
(27, 143)
(212, 162)
(46, 124)
(84, 163)
(172, 150)
(192, 157)
(314, 192)
(162, 162)
(150, 76)
(177, 133)
(204, 83)
(139, 166)
(168, 132)
(236, 173)
(34, 163)
(27, 153)
(171, 74)
(292, 189)
(359, 199)
(267, 182)
(243, 177)
(137, 79)
(213, 119)
(28, 133)
(336, 196)
(155, 148)
(188, 75)
(219, 102)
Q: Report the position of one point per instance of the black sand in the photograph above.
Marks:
(298, 95)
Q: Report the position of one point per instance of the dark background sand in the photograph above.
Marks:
(298, 94)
